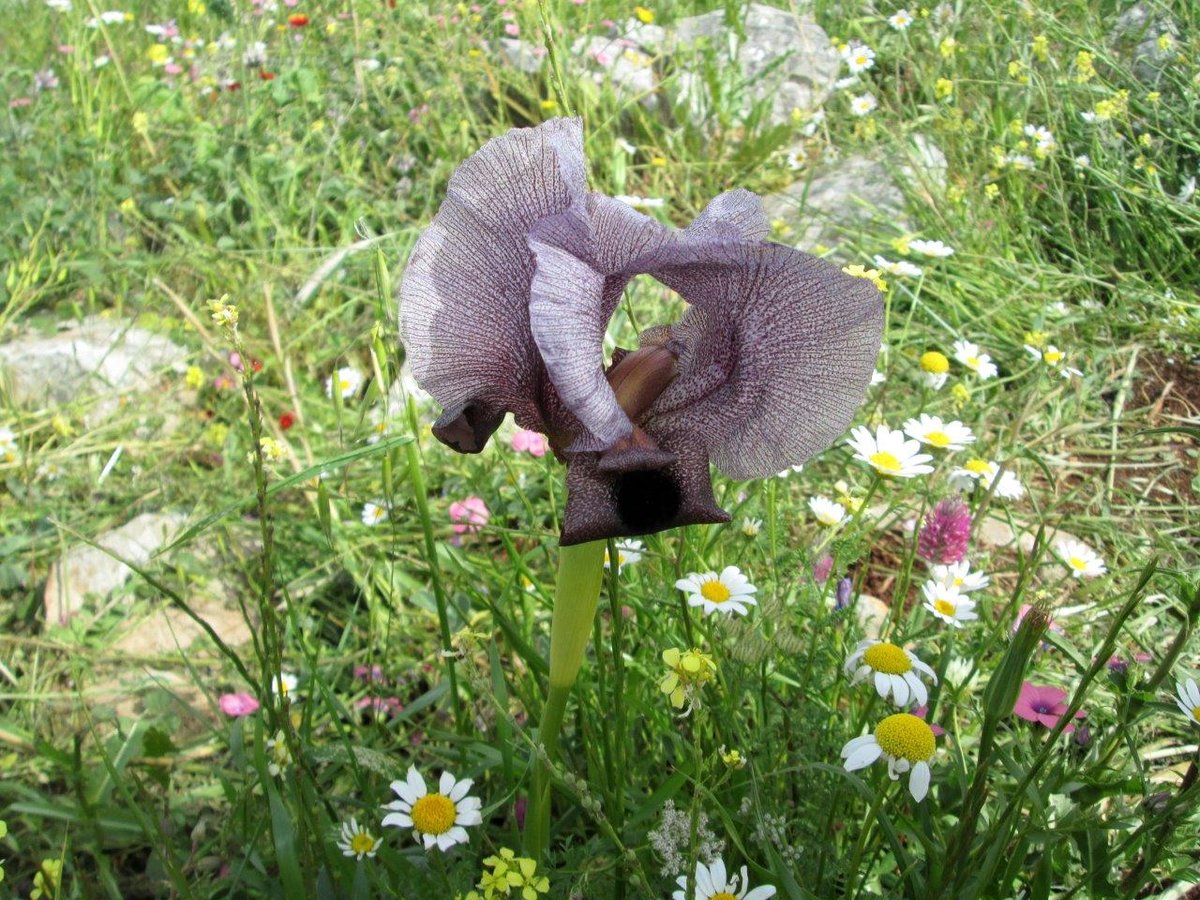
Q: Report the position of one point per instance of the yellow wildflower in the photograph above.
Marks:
(872, 275)
(1041, 48)
(948, 47)
(645, 16)
(158, 54)
(194, 377)
(943, 88)
(1085, 67)
(689, 670)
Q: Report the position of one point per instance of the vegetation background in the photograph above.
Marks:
(286, 157)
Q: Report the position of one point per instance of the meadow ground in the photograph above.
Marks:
(240, 184)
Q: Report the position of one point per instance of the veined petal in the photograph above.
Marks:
(464, 300)
(795, 338)
(736, 214)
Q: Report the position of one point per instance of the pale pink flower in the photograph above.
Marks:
(237, 704)
(468, 515)
(530, 442)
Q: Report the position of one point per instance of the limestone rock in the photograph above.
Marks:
(522, 55)
(168, 630)
(872, 614)
(1144, 27)
(785, 58)
(850, 197)
(85, 571)
(98, 357)
(619, 62)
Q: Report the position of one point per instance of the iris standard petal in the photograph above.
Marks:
(464, 300)
(777, 352)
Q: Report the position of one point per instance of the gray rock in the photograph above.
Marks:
(85, 571)
(1143, 27)
(785, 58)
(850, 197)
(98, 357)
(522, 55)
(872, 614)
(616, 61)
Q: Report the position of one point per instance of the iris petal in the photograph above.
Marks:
(464, 301)
(794, 337)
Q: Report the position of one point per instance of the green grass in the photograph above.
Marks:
(129, 194)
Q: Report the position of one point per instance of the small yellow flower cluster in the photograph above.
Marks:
(689, 671)
(644, 15)
(1041, 48)
(733, 759)
(943, 88)
(846, 496)
(872, 275)
(1085, 67)
(194, 377)
(948, 47)
(1111, 108)
(272, 450)
(509, 875)
(48, 880)
(223, 313)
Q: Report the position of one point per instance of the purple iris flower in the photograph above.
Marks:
(504, 307)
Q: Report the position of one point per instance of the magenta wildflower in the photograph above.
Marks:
(1044, 704)
(468, 515)
(922, 712)
(947, 531)
(237, 704)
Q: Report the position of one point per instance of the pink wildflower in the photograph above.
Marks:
(468, 515)
(237, 704)
(512, 29)
(530, 442)
(821, 568)
(944, 536)
(1044, 704)
(922, 712)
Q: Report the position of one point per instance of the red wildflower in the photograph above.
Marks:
(266, 76)
(299, 20)
(287, 420)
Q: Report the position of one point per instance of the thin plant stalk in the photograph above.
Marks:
(576, 595)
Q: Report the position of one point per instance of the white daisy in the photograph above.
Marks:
(1082, 560)
(1042, 137)
(1054, 358)
(348, 381)
(931, 430)
(1019, 162)
(961, 672)
(712, 883)
(356, 841)
(877, 377)
(728, 592)
(959, 575)
(863, 104)
(889, 453)
(906, 742)
(930, 248)
(1189, 699)
(828, 512)
(970, 356)
(439, 819)
(896, 671)
(984, 471)
(751, 527)
(858, 57)
(900, 267)
(1082, 161)
(790, 471)
(900, 19)
(284, 684)
(628, 553)
(842, 83)
(948, 603)
(8, 445)
(373, 513)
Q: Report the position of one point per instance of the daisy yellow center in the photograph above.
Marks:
(722, 895)
(1196, 713)
(1054, 357)
(934, 362)
(1078, 563)
(362, 843)
(945, 607)
(714, 592)
(973, 362)
(938, 438)
(885, 462)
(343, 384)
(887, 658)
(978, 466)
(904, 736)
(433, 814)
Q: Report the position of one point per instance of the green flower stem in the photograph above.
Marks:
(580, 572)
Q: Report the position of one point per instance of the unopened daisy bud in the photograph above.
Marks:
(946, 533)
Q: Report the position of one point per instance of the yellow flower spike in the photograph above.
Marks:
(1041, 48)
